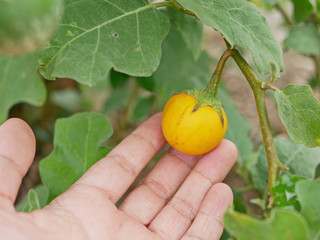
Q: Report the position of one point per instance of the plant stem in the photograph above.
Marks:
(274, 164)
(316, 60)
(175, 5)
(212, 87)
(284, 14)
(131, 101)
(162, 4)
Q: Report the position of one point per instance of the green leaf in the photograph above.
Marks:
(36, 198)
(178, 70)
(317, 236)
(304, 39)
(241, 24)
(302, 161)
(283, 224)
(302, 10)
(146, 82)
(318, 9)
(118, 79)
(19, 82)
(190, 29)
(317, 175)
(226, 236)
(142, 108)
(238, 201)
(238, 127)
(33, 201)
(98, 35)
(299, 111)
(271, 2)
(283, 192)
(118, 99)
(77, 146)
(27, 25)
(309, 198)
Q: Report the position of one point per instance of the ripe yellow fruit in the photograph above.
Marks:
(192, 132)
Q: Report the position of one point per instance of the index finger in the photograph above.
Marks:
(116, 172)
(17, 149)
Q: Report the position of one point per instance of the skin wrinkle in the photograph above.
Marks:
(6, 203)
(184, 208)
(186, 159)
(62, 211)
(210, 215)
(145, 140)
(14, 176)
(157, 189)
(192, 237)
(198, 172)
(124, 164)
(13, 164)
(95, 188)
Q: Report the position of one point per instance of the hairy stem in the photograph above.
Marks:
(274, 164)
(212, 87)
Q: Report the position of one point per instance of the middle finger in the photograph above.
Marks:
(150, 196)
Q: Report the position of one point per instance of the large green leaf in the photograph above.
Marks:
(241, 23)
(77, 146)
(98, 35)
(301, 160)
(19, 82)
(190, 29)
(299, 111)
(304, 39)
(308, 192)
(283, 224)
(302, 10)
(238, 127)
(178, 70)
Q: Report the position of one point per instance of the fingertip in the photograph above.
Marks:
(153, 122)
(151, 129)
(17, 140)
(225, 191)
(232, 148)
(20, 126)
(226, 146)
(219, 199)
(155, 119)
(219, 161)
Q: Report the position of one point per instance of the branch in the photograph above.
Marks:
(284, 14)
(274, 164)
(212, 87)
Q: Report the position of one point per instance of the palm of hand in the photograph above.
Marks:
(181, 198)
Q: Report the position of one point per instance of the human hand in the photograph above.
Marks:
(181, 198)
